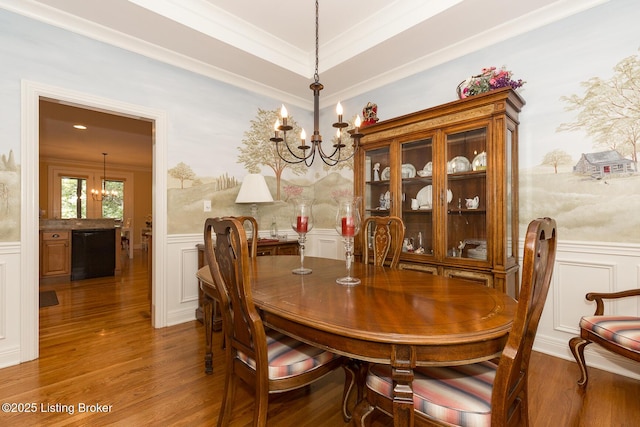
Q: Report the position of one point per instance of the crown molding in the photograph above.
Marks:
(338, 49)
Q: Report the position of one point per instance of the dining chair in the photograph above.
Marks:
(382, 235)
(253, 226)
(490, 393)
(211, 297)
(265, 359)
(620, 334)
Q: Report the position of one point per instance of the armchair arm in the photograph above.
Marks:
(599, 298)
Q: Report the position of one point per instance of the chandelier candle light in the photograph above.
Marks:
(100, 195)
(303, 154)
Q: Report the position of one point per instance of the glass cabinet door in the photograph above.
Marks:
(417, 197)
(466, 194)
(377, 192)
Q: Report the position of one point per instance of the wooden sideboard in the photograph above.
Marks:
(265, 247)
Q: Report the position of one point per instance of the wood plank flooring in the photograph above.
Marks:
(101, 363)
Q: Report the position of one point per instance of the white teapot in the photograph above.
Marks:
(473, 203)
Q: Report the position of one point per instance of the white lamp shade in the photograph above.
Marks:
(254, 190)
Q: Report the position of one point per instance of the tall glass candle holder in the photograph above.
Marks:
(348, 225)
(302, 222)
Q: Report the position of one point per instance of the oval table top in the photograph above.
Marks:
(402, 306)
(444, 320)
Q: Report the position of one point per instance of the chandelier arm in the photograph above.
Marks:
(291, 162)
(300, 158)
(337, 160)
(311, 156)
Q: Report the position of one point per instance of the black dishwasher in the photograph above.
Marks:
(93, 253)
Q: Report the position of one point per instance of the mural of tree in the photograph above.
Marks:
(609, 111)
(556, 158)
(257, 150)
(183, 172)
(8, 164)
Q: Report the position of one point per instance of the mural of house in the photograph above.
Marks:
(200, 119)
(604, 163)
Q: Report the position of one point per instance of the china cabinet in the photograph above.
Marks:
(451, 173)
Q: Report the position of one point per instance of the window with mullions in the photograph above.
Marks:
(73, 197)
(113, 207)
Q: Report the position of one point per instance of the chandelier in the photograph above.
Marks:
(307, 153)
(100, 195)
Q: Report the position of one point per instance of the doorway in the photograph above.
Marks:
(32, 93)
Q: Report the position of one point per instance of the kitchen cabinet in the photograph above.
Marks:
(55, 254)
(451, 173)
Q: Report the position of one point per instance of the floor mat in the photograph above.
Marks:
(48, 298)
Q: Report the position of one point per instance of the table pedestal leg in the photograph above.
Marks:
(402, 364)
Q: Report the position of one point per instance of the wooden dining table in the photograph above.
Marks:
(402, 318)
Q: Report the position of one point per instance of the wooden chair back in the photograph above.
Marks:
(229, 264)
(509, 397)
(385, 235)
(253, 238)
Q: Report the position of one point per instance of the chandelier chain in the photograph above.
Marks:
(316, 75)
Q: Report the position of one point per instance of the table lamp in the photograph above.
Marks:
(254, 190)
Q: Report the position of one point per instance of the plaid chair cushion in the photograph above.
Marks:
(289, 357)
(460, 395)
(623, 330)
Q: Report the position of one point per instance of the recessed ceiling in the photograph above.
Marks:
(269, 47)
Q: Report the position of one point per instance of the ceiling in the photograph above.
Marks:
(269, 47)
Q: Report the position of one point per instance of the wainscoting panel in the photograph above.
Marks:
(189, 288)
(574, 278)
(182, 286)
(3, 299)
(583, 267)
(12, 320)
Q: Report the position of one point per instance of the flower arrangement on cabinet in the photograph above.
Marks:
(489, 79)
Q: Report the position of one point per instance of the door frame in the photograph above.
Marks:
(31, 92)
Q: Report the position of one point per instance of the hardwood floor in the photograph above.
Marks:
(101, 363)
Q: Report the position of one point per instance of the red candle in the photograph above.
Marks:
(348, 227)
(303, 222)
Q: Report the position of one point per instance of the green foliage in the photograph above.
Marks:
(113, 207)
(73, 203)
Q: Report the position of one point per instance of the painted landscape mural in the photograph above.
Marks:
(9, 198)
(596, 196)
(582, 109)
(257, 153)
